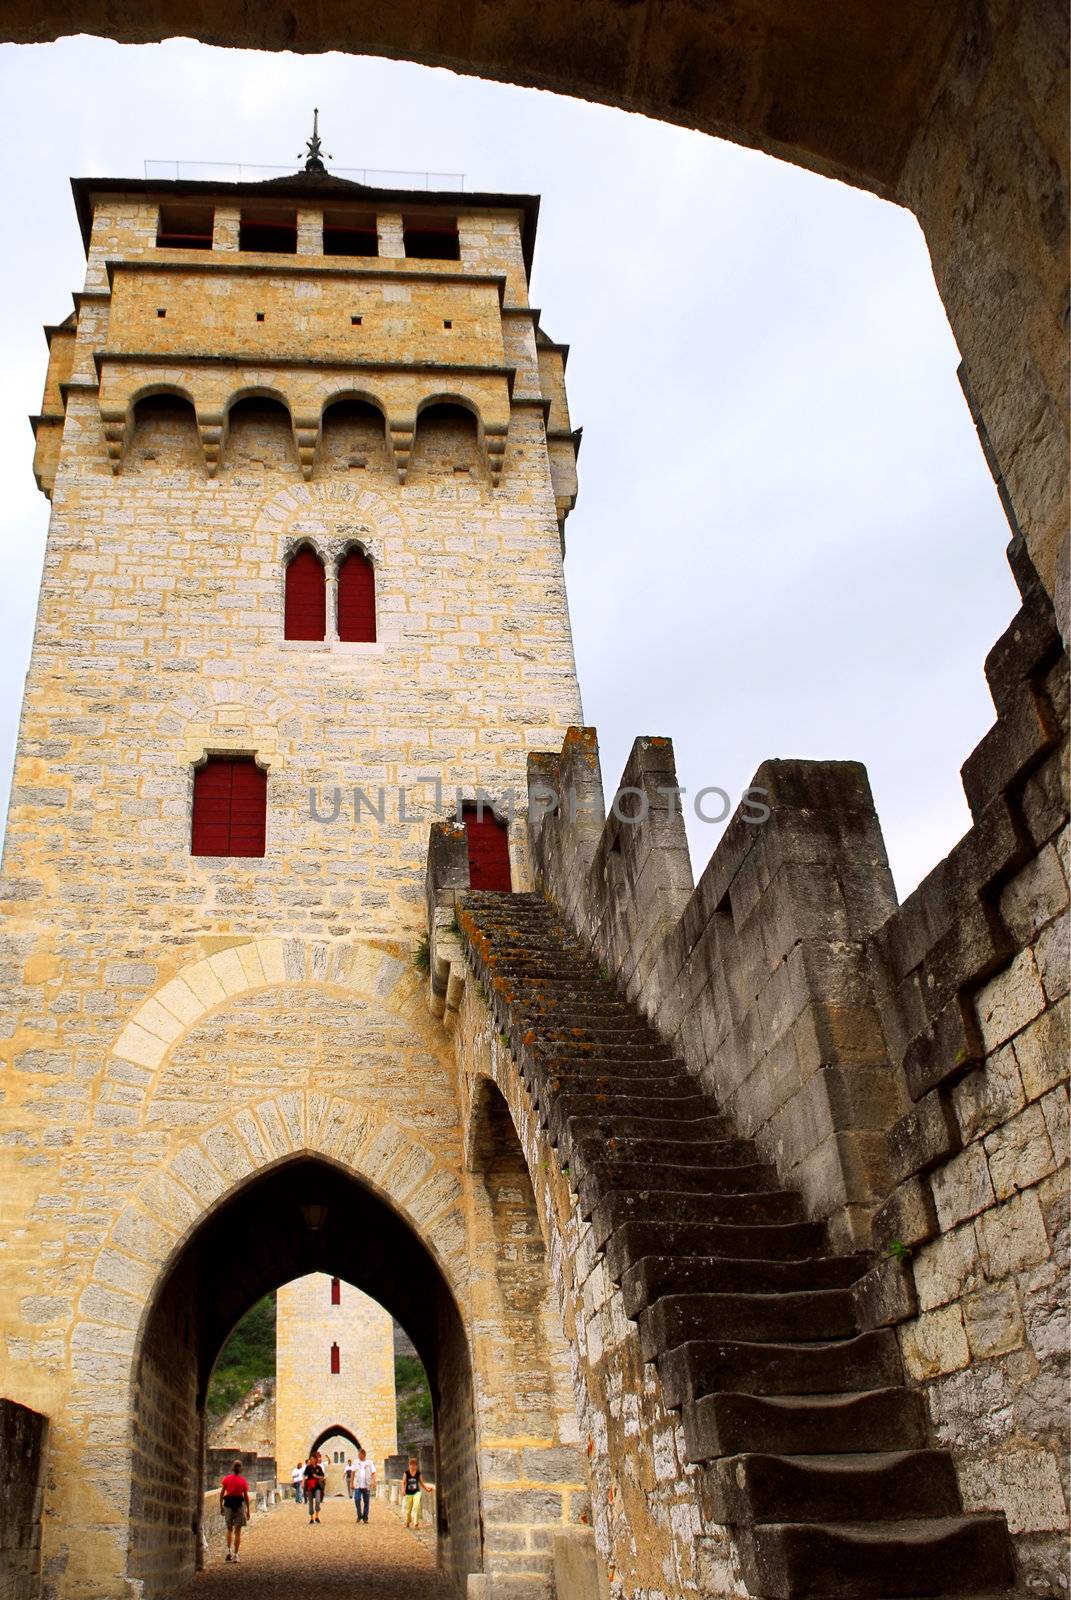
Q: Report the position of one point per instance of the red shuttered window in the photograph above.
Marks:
(357, 599)
(336, 1361)
(230, 803)
(488, 842)
(306, 597)
(336, 1292)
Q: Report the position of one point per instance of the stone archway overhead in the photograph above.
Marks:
(829, 84)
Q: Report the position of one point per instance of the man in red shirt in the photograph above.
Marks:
(234, 1504)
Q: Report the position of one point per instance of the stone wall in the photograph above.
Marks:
(920, 1049)
(620, 1463)
(972, 978)
(23, 1436)
(986, 174)
(309, 1397)
(758, 977)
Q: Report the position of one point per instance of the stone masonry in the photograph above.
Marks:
(727, 1219)
(192, 1040)
(312, 1401)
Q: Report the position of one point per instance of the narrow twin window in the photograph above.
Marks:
(357, 599)
(305, 608)
(305, 605)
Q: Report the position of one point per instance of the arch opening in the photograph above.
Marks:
(446, 442)
(259, 435)
(304, 1216)
(334, 1430)
(353, 439)
(163, 434)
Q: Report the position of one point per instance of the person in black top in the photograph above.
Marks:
(315, 1479)
(413, 1487)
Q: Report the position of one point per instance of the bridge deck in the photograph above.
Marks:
(281, 1555)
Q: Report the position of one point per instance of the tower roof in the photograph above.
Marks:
(306, 185)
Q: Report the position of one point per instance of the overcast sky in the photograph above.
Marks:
(786, 542)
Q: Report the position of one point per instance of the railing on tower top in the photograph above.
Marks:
(245, 172)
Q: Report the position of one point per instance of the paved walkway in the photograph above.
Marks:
(282, 1555)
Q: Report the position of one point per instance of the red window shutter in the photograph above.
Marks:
(305, 611)
(336, 1362)
(336, 1292)
(357, 599)
(488, 842)
(230, 802)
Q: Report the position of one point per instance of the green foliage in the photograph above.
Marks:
(414, 1399)
(248, 1357)
(899, 1251)
(422, 954)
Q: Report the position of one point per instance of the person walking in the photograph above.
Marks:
(364, 1481)
(315, 1479)
(234, 1504)
(349, 1478)
(297, 1478)
(413, 1488)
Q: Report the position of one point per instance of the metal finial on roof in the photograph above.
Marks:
(314, 146)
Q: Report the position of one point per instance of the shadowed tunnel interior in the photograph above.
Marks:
(256, 1241)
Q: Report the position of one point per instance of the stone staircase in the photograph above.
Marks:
(814, 1450)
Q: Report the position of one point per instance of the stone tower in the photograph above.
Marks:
(310, 459)
(334, 1375)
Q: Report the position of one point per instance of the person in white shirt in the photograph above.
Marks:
(297, 1479)
(364, 1481)
(349, 1477)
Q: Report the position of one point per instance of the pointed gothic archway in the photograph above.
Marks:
(257, 1238)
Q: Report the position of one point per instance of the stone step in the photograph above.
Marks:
(545, 1088)
(833, 1366)
(701, 1129)
(648, 1279)
(657, 1183)
(728, 1424)
(904, 1560)
(603, 1049)
(607, 1108)
(669, 1153)
(871, 1486)
(551, 1063)
(614, 1210)
(780, 1240)
(790, 1318)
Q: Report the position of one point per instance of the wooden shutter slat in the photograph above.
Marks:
(229, 808)
(356, 600)
(305, 608)
(488, 847)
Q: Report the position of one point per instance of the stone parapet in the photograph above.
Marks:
(758, 976)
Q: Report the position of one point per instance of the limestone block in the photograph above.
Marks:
(1055, 1107)
(963, 1187)
(1032, 898)
(1053, 952)
(935, 1344)
(1024, 1484)
(579, 1574)
(993, 1322)
(1012, 1237)
(1020, 1153)
(946, 1267)
(989, 1095)
(1010, 1000)
(1043, 1051)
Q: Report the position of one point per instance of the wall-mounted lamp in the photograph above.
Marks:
(315, 1217)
